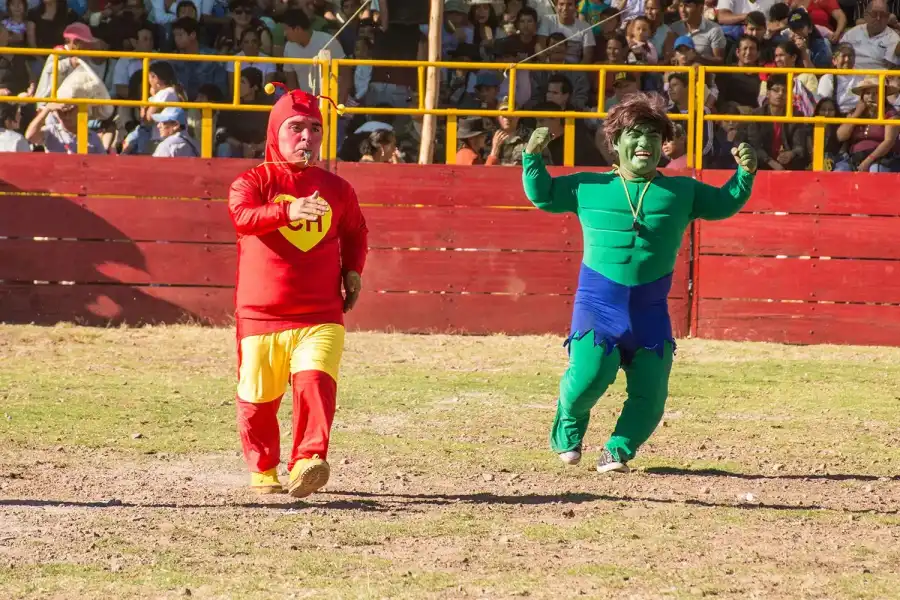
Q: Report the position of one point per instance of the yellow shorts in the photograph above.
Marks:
(269, 360)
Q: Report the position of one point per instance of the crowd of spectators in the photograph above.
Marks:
(840, 34)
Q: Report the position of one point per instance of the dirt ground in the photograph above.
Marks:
(773, 475)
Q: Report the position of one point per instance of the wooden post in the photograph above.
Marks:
(432, 84)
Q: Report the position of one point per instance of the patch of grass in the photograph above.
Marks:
(450, 489)
(60, 580)
(868, 585)
(257, 571)
(95, 388)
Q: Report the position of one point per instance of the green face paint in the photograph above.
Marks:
(639, 149)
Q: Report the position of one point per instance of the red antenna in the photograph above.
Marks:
(270, 87)
(338, 107)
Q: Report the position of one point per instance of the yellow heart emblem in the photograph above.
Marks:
(304, 234)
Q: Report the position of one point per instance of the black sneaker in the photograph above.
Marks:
(607, 462)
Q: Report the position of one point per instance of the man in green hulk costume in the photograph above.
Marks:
(633, 220)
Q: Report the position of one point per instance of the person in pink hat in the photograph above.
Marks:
(77, 36)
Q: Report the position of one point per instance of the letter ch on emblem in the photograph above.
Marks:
(305, 234)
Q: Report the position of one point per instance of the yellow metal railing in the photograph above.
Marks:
(818, 123)
(329, 71)
(453, 114)
(206, 108)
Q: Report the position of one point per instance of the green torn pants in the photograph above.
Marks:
(590, 372)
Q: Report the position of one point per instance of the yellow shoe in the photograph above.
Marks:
(266, 483)
(307, 476)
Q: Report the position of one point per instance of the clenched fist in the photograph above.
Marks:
(352, 288)
(745, 156)
(538, 141)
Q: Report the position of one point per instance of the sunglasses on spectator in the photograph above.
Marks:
(241, 11)
(879, 14)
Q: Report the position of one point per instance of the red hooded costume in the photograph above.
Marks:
(289, 274)
(288, 299)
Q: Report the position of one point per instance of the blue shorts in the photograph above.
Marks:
(621, 316)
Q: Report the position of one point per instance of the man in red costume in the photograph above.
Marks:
(301, 236)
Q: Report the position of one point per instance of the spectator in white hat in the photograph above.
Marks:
(56, 124)
(172, 125)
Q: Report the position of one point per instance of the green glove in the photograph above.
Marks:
(538, 141)
(745, 156)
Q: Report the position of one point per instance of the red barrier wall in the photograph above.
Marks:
(813, 258)
(453, 249)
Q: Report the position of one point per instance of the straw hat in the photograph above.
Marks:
(83, 82)
(872, 83)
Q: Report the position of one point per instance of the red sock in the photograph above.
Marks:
(260, 437)
(314, 403)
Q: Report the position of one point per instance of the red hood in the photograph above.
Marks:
(290, 105)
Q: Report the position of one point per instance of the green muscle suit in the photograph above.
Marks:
(633, 220)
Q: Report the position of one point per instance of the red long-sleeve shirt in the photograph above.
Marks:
(289, 274)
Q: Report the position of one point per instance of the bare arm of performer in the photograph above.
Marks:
(252, 214)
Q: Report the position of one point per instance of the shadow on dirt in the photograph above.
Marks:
(382, 502)
(809, 477)
(585, 497)
(361, 505)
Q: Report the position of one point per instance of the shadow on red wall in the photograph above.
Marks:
(47, 276)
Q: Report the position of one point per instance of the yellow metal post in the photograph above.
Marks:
(569, 143)
(54, 76)
(699, 103)
(511, 96)
(421, 87)
(206, 133)
(236, 94)
(451, 140)
(601, 90)
(790, 95)
(82, 129)
(691, 122)
(881, 96)
(334, 116)
(324, 105)
(818, 157)
(145, 83)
